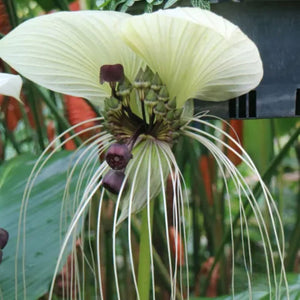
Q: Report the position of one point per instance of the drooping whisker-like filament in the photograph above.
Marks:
(139, 157)
(94, 152)
(132, 191)
(243, 188)
(178, 212)
(88, 193)
(163, 192)
(247, 160)
(149, 222)
(30, 183)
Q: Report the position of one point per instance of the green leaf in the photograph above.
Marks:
(48, 5)
(285, 125)
(42, 222)
(169, 3)
(204, 4)
(258, 142)
(261, 292)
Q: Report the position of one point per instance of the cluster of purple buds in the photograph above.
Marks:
(117, 157)
(3, 241)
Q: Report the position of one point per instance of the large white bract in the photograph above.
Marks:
(195, 52)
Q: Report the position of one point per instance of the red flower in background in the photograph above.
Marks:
(236, 132)
(5, 26)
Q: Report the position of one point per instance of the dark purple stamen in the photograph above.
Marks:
(111, 73)
(118, 156)
(3, 238)
(113, 180)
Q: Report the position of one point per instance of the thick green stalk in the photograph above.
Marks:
(62, 121)
(35, 108)
(10, 136)
(294, 242)
(256, 192)
(62, 4)
(144, 273)
(161, 269)
(108, 265)
(11, 10)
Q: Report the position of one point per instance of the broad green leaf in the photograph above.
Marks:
(285, 125)
(262, 292)
(258, 142)
(42, 222)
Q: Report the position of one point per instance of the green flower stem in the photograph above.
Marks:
(11, 10)
(256, 192)
(60, 119)
(294, 240)
(144, 272)
(109, 265)
(10, 136)
(62, 4)
(35, 108)
(161, 269)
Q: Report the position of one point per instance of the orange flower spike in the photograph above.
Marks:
(235, 132)
(12, 114)
(205, 167)
(5, 26)
(74, 5)
(77, 111)
(176, 245)
(69, 145)
(51, 132)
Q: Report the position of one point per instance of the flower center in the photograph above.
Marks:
(142, 107)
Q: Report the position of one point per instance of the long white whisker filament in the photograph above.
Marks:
(180, 199)
(265, 191)
(27, 191)
(129, 168)
(236, 176)
(89, 192)
(173, 294)
(149, 220)
(98, 245)
(132, 190)
(92, 157)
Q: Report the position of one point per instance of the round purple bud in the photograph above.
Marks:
(111, 73)
(3, 238)
(118, 156)
(113, 180)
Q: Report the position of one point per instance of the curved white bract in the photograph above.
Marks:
(10, 85)
(195, 52)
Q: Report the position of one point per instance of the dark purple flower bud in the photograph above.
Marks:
(113, 180)
(118, 156)
(111, 73)
(0, 256)
(3, 238)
